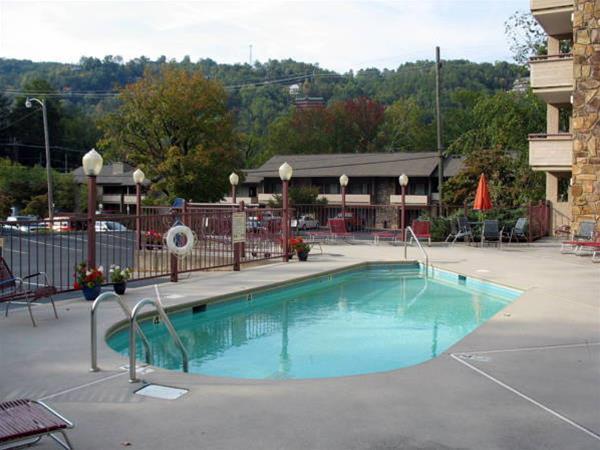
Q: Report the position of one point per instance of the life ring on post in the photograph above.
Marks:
(172, 239)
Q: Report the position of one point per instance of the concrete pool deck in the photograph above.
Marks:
(526, 379)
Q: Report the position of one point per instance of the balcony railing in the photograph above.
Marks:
(552, 77)
(537, 5)
(128, 199)
(351, 199)
(412, 200)
(246, 200)
(551, 151)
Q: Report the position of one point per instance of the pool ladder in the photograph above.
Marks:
(165, 319)
(134, 329)
(102, 298)
(413, 236)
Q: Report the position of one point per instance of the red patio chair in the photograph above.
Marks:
(27, 420)
(338, 229)
(422, 230)
(378, 235)
(13, 289)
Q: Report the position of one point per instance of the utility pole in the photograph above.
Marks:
(438, 120)
(42, 102)
(250, 57)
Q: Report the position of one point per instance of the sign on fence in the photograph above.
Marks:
(238, 227)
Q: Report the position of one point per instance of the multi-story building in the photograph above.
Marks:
(568, 80)
(116, 188)
(552, 81)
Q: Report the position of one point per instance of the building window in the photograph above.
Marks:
(563, 188)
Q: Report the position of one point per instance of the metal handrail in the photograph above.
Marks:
(132, 323)
(127, 311)
(414, 237)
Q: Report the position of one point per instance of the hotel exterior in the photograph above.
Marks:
(569, 149)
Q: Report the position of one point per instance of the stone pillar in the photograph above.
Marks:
(586, 112)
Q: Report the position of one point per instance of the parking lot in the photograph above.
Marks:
(58, 253)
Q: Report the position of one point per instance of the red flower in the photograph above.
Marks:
(76, 285)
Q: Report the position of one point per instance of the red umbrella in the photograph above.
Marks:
(482, 197)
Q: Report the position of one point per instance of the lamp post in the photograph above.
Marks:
(234, 179)
(92, 165)
(285, 173)
(138, 179)
(42, 102)
(343, 183)
(403, 180)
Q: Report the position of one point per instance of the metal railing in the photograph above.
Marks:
(94, 335)
(413, 236)
(165, 319)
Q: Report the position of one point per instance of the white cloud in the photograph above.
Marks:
(337, 34)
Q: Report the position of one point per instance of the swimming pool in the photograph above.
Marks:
(368, 319)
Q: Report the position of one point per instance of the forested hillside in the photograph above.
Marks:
(258, 96)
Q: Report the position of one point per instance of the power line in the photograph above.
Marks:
(55, 147)
(19, 120)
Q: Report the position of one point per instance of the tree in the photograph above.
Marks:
(299, 195)
(525, 36)
(511, 185)
(406, 128)
(175, 126)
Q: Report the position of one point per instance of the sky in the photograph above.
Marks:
(338, 35)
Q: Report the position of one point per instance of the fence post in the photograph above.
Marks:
(243, 244)
(91, 216)
(530, 221)
(174, 265)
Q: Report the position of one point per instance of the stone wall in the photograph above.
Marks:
(586, 112)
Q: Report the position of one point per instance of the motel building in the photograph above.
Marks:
(373, 181)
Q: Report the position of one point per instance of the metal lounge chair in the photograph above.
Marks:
(519, 231)
(453, 231)
(13, 289)
(23, 421)
(584, 233)
(422, 230)
(464, 230)
(491, 232)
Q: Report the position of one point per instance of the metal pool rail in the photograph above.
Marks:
(410, 231)
(133, 323)
(94, 335)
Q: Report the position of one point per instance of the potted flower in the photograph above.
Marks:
(119, 277)
(89, 280)
(153, 240)
(302, 249)
(293, 242)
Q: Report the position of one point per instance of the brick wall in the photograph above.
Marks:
(586, 111)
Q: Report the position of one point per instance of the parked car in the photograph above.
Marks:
(105, 225)
(24, 224)
(353, 222)
(305, 222)
(253, 224)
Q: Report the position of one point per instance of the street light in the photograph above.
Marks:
(234, 179)
(403, 180)
(138, 179)
(92, 165)
(42, 102)
(285, 173)
(343, 183)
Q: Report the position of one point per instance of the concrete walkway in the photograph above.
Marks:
(526, 379)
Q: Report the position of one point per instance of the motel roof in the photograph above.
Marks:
(413, 164)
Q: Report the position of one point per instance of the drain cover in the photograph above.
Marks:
(162, 392)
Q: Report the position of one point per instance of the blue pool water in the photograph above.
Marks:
(372, 319)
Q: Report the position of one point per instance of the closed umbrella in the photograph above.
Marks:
(482, 197)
